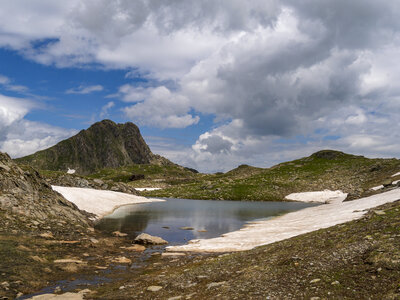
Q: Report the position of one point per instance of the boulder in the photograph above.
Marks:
(147, 239)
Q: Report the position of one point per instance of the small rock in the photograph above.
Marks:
(57, 290)
(202, 230)
(172, 254)
(138, 248)
(154, 288)
(186, 228)
(379, 212)
(68, 261)
(94, 241)
(20, 294)
(47, 235)
(39, 259)
(315, 280)
(215, 284)
(147, 239)
(166, 227)
(122, 260)
(335, 282)
(315, 298)
(175, 298)
(119, 234)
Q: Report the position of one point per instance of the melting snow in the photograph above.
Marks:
(376, 188)
(289, 225)
(71, 171)
(147, 189)
(99, 202)
(397, 174)
(326, 196)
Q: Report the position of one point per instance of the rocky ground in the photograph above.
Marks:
(359, 259)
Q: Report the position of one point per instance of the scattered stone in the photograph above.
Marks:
(20, 294)
(5, 285)
(57, 290)
(47, 235)
(138, 248)
(175, 298)
(315, 298)
(94, 241)
(39, 259)
(166, 227)
(215, 284)
(147, 239)
(335, 282)
(119, 234)
(68, 261)
(202, 230)
(315, 280)
(186, 228)
(379, 212)
(154, 288)
(23, 248)
(172, 254)
(122, 260)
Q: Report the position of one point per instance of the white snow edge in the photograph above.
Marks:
(289, 225)
(394, 175)
(147, 189)
(99, 202)
(325, 196)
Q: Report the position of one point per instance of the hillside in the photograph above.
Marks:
(105, 144)
(28, 203)
(325, 169)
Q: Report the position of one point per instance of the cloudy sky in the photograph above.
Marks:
(211, 83)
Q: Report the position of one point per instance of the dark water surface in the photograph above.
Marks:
(164, 219)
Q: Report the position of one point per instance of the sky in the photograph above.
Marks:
(212, 84)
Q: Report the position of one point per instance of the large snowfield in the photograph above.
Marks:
(99, 202)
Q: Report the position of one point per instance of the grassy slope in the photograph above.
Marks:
(155, 175)
(323, 170)
(356, 260)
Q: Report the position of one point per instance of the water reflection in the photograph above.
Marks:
(216, 217)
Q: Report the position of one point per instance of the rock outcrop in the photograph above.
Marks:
(28, 203)
(105, 144)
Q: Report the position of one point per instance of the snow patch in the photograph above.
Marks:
(71, 171)
(99, 202)
(397, 174)
(292, 224)
(325, 196)
(376, 188)
(395, 182)
(147, 189)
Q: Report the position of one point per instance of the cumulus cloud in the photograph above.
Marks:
(19, 136)
(84, 90)
(276, 75)
(161, 108)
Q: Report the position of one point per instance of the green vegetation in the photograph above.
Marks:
(155, 175)
(323, 170)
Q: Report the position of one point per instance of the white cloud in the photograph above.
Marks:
(161, 108)
(6, 83)
(311, 73)
(84, 90)
(19, 136)
(105, 109)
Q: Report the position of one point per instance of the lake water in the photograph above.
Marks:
(208, 218)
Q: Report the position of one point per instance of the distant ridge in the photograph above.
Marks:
(105, 144)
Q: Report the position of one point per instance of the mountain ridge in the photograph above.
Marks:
(104, 144)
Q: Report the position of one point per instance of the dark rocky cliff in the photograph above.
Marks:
(27, 202)
(104, 145)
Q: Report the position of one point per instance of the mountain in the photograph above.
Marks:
(105, 144)
(28, 203)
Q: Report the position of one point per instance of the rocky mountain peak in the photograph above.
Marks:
(105, 144)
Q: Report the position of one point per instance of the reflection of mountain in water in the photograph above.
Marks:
(217, 217)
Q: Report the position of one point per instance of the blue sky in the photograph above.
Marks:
(211, 84)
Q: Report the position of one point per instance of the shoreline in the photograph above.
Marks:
(289, 225)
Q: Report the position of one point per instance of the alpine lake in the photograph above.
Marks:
(180, 220)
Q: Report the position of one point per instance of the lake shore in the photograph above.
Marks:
(289, 225)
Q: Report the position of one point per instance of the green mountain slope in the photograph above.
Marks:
(325, 169)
